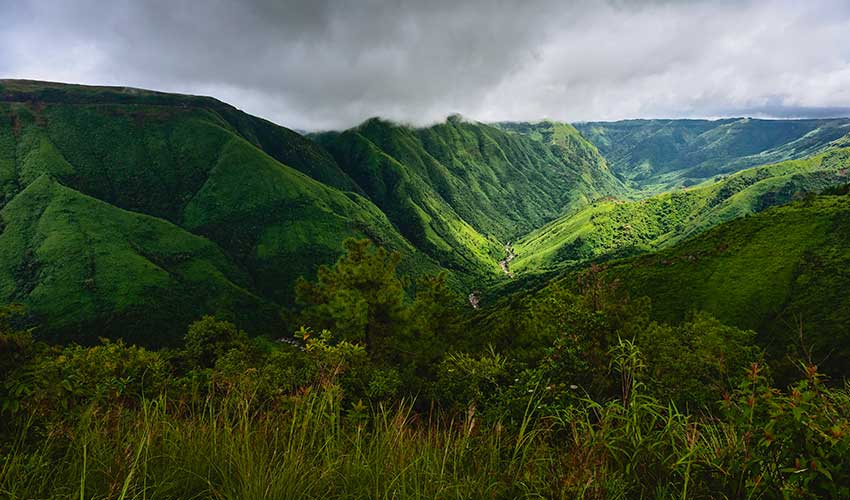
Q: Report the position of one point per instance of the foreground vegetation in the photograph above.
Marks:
(379, 395)
(767, 444)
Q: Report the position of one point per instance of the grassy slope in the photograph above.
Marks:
(418, 211)
(767, 272)
(763, 272)
(587, 168)
(616, 228)
(656, 155)
(194, 162)
(459, 188)
(90, 269)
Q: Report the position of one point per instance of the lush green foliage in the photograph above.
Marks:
(361, 301)
(135, 427)
(128, 214)
(229, 210)
(783, 273)
(561, 394)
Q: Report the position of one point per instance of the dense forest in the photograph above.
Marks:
(203, 304)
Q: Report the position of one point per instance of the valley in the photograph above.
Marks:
(267, 205)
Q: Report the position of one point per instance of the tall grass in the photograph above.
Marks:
(308, 446)
(227, 449)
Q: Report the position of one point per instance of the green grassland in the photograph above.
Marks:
(778, 272)
(610, 228)
(703, 353)
(420, 213)
(250, 206)
(89, 269)
(271, 204)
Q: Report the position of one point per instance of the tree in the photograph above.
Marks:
(209, 338)
(16, 343)
(359, 299)
(435, 322)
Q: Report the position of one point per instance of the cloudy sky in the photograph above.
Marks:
(318, 64)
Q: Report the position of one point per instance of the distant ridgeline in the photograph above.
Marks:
(657, 155)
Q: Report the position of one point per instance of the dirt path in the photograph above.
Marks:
(504, 263)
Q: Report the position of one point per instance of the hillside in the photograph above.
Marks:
(611, 228)
(656, 155)
(88, 269)
(460, 189)
(770, 272)
(185, 205)
(242, 196)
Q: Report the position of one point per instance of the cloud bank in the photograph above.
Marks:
(321, 64)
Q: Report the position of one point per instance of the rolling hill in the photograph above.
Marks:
(775, 272)
(657, 155)
(89, 269)
(616, 228)
(129, 207)
(128, 213)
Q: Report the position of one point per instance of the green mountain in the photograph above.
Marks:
(656, 155)
(155, 188)
(126, 212)
(88, 268)
(459, 190)
(610, 228)
(255, 204)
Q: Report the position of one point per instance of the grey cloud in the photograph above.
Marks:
(327, 64)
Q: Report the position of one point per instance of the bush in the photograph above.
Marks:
(694, 364)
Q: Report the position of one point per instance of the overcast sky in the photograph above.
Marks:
(317, 64)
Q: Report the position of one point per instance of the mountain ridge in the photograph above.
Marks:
(613, 228)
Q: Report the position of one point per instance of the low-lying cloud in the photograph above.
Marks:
(324, 64)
